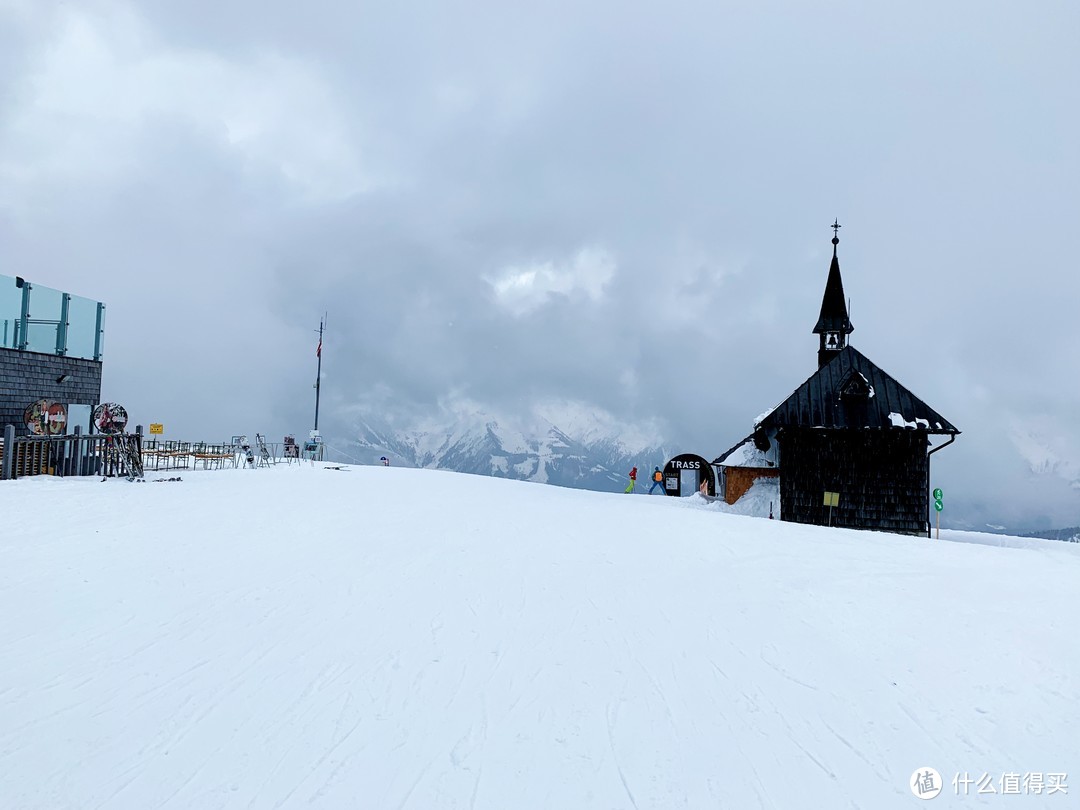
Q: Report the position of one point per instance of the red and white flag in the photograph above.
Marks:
(318, 351)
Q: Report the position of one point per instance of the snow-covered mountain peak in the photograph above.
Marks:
(560, 442)
(590, 424)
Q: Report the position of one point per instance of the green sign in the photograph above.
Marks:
(832, 499)
(937, 494)
(938, 505)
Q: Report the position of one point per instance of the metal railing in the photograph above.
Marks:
(101, 454)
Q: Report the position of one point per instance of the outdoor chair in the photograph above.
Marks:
(211, 455)
(221, 454)
(150, 453)
(176, 454)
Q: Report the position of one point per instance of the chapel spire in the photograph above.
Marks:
(833, 324)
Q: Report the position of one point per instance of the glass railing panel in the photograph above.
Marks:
(82, 327)
(43, 318)
(10, 311)
(43, 329)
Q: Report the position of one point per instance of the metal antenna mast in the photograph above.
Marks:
(318, 373)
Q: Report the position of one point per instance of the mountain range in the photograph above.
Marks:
(565, 445)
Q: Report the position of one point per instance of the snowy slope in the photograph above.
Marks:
(396, 638)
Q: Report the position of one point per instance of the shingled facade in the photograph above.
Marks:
(50, 349)
(853, 429)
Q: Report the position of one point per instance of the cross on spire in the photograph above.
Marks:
(836, 226)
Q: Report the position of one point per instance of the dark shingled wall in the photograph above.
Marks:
(881, 476)
(26, 377)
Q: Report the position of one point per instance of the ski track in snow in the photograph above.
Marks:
(416, 639)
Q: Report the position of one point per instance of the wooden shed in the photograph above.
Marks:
(744, 464)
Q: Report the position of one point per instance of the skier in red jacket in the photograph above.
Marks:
(633, 481)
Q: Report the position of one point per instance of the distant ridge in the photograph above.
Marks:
(587, 451)
(1067, 535)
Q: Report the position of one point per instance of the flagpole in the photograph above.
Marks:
(318, 375)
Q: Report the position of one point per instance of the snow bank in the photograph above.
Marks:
(755, 502)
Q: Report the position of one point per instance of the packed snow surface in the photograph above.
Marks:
(373, 637)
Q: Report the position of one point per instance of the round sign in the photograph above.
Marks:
(110, 418)
(939, 505)
(45, 418)
(36, 417)
(693, 467)
(56, 419)
(937, 494)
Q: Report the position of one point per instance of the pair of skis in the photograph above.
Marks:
(123, 457)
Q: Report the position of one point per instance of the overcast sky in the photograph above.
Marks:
(619, 204)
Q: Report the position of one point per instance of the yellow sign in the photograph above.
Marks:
(832, 498)
(157, 428)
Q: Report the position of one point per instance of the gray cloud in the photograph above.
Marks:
(222, 175)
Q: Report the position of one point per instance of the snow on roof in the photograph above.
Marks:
(745, 454)
(899, 421)
(761, 416)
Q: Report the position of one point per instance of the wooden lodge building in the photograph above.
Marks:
(850, 429)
